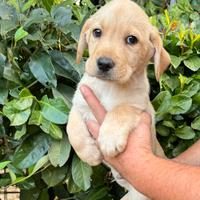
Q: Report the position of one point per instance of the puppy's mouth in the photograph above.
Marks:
(103, 76)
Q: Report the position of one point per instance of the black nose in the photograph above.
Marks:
(105, 64)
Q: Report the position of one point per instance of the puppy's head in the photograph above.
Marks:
(121, 41)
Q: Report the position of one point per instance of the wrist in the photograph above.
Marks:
(134, 170)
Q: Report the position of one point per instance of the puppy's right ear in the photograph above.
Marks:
(82, 44)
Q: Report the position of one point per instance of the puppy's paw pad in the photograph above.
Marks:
(112, 144)
(91, 155)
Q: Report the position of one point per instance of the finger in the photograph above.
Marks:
(97, 109)
(146, 118)
(142, 134)
(93, 128)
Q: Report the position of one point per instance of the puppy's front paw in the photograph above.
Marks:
(112, 140)
(91, 155)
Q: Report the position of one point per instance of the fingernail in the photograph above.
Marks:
(82, 89)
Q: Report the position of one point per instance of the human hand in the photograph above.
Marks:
(139, 146)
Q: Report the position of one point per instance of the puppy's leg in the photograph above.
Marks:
(116, 127)
(81, 140)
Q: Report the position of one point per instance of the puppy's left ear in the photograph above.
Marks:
(82, 44)
(161, 57)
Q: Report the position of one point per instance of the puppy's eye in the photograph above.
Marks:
(97, 32)
(131, 39)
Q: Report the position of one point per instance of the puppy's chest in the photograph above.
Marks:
(109, 95)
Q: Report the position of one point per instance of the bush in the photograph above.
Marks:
(38, 76)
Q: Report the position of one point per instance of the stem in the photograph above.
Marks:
(32, 84)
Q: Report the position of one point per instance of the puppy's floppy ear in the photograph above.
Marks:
(161, 57)
(82, 44)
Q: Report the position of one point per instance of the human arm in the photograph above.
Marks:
(191, 156)
(157, 178)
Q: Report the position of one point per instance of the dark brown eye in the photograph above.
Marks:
(97, 32)
(131, 40)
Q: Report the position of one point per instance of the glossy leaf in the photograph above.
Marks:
(176, 61)
(4, 164)
(71, 186)
(20, 34)
(54, 110)
(21, 131)
(59, 151)
(193, 63)
(53, 176)
(196, 124)
(43, 69)
(185, 133)
(81, 173)
(61, 15)
(15, 116)
(30, 151)
(180, 104)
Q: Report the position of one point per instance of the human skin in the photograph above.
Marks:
(157, 178)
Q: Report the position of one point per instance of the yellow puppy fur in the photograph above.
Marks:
(121, 41)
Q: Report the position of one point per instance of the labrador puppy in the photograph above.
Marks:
(121, 41)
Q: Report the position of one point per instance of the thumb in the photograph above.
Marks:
(93, 128)
(142, 133)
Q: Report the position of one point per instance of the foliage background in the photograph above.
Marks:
(38, 76)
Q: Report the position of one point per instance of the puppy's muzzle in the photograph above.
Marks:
(105, 64)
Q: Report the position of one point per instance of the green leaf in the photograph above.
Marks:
(97, 193)
(59, 151)
(2, 64)
(4, 164)
(43, 69)
(21, 131)
(7, 12)
(52, 129)
(81, 173)
(40, 163)
(48, 4)
(71, 186)
(6, 26)
(64, 67)
(185, 133)
(61, 15)
(193, 63)
(20, 34)
(191, 89)
(180, 104)
(12, 175)
(196, 98)
(30, 151)
(163, 130)
(23, 103)
(32, 194)
(161, 104)
(53, 176)
(65, 92)
(175, 61)
(37, 16)
(162, 101)
(28, 4)
(12, 75)
(4, 182)
(169, 124)
(54, 110)
(196, 123)
(15, 116)
(169, 82)
(47, 126)
(3, 95)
